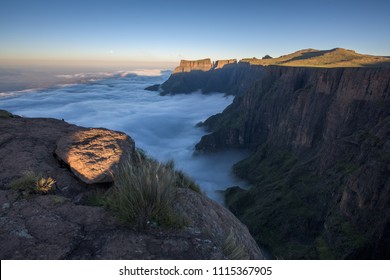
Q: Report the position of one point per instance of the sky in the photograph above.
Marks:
(157, 32)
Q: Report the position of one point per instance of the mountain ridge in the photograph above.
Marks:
(235, 78)
(337, 57)
(319, 141)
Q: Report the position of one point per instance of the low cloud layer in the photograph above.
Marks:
(164, 126)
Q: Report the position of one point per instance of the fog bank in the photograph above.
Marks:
(163, 126)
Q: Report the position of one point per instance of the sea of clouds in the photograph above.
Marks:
(163, 126)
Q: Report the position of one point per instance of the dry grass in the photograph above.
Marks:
(144, 194)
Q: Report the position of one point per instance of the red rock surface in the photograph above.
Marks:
(94, 154)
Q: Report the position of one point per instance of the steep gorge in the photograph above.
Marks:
(320, 162)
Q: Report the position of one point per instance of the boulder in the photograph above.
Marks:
(94, 154)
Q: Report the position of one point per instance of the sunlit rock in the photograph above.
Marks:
(94, 154)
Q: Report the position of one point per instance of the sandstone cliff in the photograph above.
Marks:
(221, 63)
(202, 65)
(320, 141)
(68, 223)
(194, 65)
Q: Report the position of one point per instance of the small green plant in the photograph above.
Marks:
(144, 193)
(233, 249)
(31, 183)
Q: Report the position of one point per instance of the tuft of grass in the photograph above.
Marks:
(31, 183)
(144, 193)
(25, 182)
(183, 181)
(233, 249)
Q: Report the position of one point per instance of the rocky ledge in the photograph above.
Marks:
(65, 224)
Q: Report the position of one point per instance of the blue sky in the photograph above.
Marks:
(159, 31)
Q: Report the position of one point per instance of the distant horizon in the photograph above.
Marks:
(164, 32)
(123, 64)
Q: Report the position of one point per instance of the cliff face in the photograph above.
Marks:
(320, 163)
(194, 65)
(202, 65)
(226, 76)
(221, 63)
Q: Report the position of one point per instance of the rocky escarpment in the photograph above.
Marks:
(202, 65)
(320, 163)
(234, 78)
(225, 76)
(67, 223)
(194, 65)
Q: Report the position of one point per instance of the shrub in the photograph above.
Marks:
(144, 193)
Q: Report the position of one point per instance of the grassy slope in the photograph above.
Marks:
(326, 58)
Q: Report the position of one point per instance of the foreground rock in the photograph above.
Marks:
(94, 154)
(52, 227)
(65, 225)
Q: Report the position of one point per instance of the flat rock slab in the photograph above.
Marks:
(94, 154)
(51, 227)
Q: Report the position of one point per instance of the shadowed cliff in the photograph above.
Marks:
(234, 78)
(320, 141)
(226, 76)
